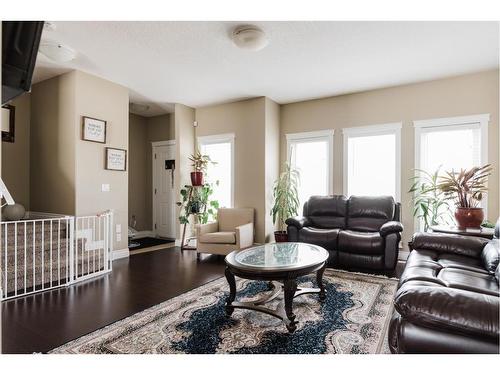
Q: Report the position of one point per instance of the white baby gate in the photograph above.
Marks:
(51, 252)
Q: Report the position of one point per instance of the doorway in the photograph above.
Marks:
(163, 154)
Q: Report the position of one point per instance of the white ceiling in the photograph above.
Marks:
(195, 63)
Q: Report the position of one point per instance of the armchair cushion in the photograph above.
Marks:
(449, 308)
(218, 237)
(230, 218)
(298, 221)
(207, 228)
(391, 227)
(244, 235)
(449, 243)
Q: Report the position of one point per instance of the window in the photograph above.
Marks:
(372, 157)
(311, 154)
(451, 143)
(220, 148)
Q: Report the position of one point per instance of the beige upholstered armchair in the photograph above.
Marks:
(233, 230)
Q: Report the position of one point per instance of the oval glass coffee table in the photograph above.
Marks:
(280, 264)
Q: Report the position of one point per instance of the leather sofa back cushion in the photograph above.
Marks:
(367, 214)
(491, 255)
(326, 211)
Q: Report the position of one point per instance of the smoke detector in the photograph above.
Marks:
(249, 37)
(56, 51)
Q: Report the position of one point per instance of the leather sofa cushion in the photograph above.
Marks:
(491, 255)
(219, 237)
(449, 270)
(326, 211)
(449, 243)
(326, 238)
(449, 309)
(369, 213)
(370, 243)
(361, 261)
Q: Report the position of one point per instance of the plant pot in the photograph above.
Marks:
(469, 217)
(197, 178)
(281, 236)
(195, 207)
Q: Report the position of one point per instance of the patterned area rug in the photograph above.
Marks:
(353, 319)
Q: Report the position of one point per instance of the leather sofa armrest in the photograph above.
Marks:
(202, 229)
(449, 243)
(244, 235)
(391, 227)
(449, 309)
(298, 221)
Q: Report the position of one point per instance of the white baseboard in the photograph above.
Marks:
(122, 253)
(144, 233)
(177, 242)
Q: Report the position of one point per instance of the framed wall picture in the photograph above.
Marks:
(8, 123)
(93, 130)
(116, 159)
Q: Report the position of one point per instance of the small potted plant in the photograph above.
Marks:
(286, 200)
(200, 164)
(466, 188)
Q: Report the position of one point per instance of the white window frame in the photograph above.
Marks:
(373, 130)
(319, 135)
(451, 123)
(221, 138)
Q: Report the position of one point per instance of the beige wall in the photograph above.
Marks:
(98, 98)
(138, 166)
(272, 160)
(16, 156)
(464, 95)
(184, 117)
(246, 119)
(143, 131)
(66, 173)
(52, 152)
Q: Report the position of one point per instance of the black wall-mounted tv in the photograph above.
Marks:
(20, 42)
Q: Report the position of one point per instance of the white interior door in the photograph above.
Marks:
(163, 190)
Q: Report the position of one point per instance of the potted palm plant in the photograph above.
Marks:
(286, 200)
(430, 205)
(199, 163)
(466, 188)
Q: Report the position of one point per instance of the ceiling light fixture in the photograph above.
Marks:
(249, 37)
(57, 51)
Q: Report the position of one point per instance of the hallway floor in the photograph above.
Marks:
(41, 322)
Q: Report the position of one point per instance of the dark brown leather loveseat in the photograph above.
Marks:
(359, 232)
(448, 298)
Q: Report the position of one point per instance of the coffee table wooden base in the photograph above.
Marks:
(284, 310)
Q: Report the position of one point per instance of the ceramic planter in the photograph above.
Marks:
(469, 217)
(197, 178)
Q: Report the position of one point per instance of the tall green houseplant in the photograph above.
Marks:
(430, 205)
(286, 199)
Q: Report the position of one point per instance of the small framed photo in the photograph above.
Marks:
(116, 159)
(93, 130)
(8, 123)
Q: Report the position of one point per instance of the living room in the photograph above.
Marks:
(346, 208)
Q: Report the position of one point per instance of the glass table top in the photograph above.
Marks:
(282, 255)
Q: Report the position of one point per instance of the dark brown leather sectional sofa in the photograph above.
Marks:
(359, 232)
(448, 298)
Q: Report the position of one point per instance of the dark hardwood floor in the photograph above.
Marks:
(44, 321)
